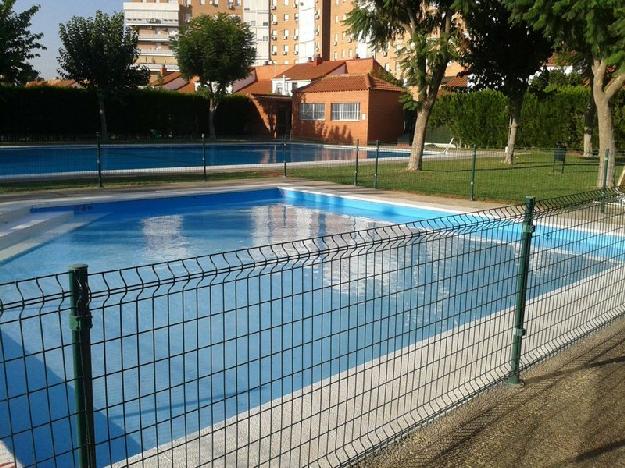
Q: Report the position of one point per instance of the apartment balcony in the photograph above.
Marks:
(156, 37)
(152, 22)
(156, 67)
(156, 52)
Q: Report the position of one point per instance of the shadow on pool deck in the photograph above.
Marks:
(571, 412)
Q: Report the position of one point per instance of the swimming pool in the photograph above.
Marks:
(74, 159)
(173, 358)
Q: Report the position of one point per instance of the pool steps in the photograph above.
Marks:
(22, 230)
(15, 228)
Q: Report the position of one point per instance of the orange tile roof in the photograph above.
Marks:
(168, 78)
(457, 82)
(338, 83)
(57, 83)
(362, 65)
(257, 87)
(267, 72)
(310, 70)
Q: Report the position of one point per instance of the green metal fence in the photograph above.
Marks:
(472, 173)
(318, 351)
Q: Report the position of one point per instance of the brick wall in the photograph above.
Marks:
(386, 116)
(329, 130)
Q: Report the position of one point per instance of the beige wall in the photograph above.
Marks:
(280, 10)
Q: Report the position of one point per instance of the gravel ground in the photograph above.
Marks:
(571, 412)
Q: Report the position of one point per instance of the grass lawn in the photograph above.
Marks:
(532, 174)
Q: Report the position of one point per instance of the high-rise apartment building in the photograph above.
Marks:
(156, 23)
(286, 31)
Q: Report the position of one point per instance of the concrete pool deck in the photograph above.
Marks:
(15, 200)
(571, 412)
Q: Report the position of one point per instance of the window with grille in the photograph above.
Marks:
(312, 111)
(346, 111)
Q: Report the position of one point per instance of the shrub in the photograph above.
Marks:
(556, 115)
(65, 112)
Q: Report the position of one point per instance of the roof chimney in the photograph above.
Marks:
(357, 57)
(310, 59)
(318, 60)
(163, 70)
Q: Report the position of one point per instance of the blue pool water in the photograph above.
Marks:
(15, 161)
(147, 231)
(167, 366)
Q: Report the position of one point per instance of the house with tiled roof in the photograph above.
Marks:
(302, 74)
(348, 108)
(277, 95)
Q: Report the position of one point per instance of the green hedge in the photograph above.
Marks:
(45, 111)
(481, 117)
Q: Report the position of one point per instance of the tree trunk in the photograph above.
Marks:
(515, 116)
(212, 107)
(102, 112)
(606, 140)
(589, 125)
(415, 163)
(602, 93)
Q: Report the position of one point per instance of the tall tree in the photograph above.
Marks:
(17, 44)
(218, 50)
(502, 56)
(100, 54)
(595, 29)
(431, 31)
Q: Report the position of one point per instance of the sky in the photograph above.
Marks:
(47, 21)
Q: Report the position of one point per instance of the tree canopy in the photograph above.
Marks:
(428, 32)
(218, 50)
(100, 54)
(502, 55)
(595, 30)
(17, 44)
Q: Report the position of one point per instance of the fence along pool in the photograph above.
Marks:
(311, 352)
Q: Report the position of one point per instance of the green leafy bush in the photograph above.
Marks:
(50, 111)
(547, 118)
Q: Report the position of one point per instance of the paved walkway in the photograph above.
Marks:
(571, 412)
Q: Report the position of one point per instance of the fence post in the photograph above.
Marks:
(473, 168)
(377, 157)
(99, 158)
(284, 154)
(356, 171)
(80, 324)
(204, 155)
(521, 292)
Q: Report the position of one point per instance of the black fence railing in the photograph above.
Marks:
(466, 173)
(317, 351)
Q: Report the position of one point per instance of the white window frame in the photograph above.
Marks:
(345, 111)
(312, 111)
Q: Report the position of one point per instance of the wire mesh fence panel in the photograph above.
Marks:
(37, 405)
(464, 173)
(577, 271)
(311, 352)
(301, 353)
(455, 172)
